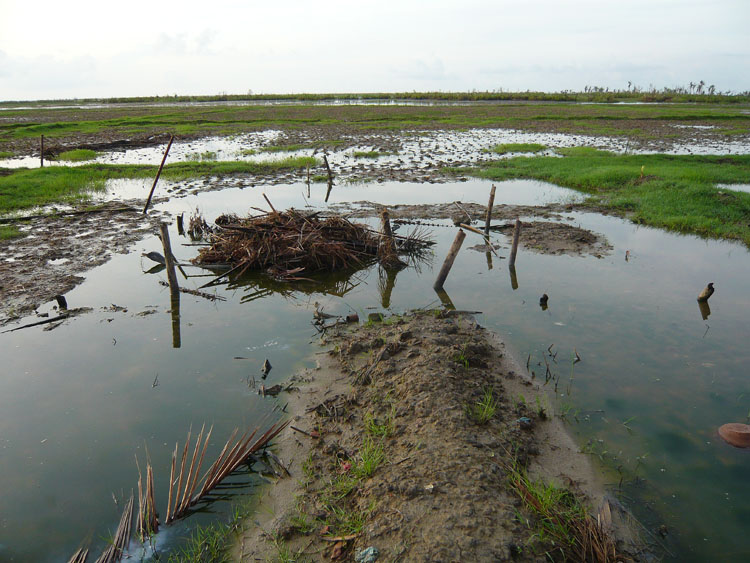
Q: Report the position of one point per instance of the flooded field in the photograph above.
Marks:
(654, 382)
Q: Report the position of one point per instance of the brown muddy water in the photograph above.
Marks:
(656, 380)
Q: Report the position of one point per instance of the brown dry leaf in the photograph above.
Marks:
(338, 550)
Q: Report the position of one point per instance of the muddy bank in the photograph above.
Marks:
(386, 454)
(55, 250)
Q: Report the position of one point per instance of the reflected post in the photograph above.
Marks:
(513, 278)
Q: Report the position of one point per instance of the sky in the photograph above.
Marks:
(92, 49)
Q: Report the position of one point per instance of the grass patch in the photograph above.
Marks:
(247, 152)
(675, 192)
(380, 430)
(6, 154)
(369, 154)
(371, 456)
(8, 232)
(76, 155)
(213, 542)
(202, 156)
(484, 409)
(562, 529)
(517, 147)
(25, 188)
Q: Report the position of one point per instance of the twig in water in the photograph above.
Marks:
(156, 381)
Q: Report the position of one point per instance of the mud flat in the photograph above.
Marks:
(385, 453)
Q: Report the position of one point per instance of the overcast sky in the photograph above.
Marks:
(86, 48)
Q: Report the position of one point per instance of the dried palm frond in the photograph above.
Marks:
(121, 540)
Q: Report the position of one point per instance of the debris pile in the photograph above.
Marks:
(288, 243)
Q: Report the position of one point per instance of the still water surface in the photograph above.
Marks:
(655, 381)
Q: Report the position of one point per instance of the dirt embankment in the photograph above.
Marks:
(387, 457)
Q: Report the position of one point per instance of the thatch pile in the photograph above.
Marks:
(288, 243)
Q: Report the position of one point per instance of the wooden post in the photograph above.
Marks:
(330, 176)
(514, 249)
(513, 277)
(163, 160)
(168, 258)
(489, 212)
(308, 181)
(448, 264)
(174, 288)
(41, 152)
(445, 299)
(180, 224)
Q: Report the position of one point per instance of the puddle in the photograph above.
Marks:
(418, 150)
(735, 187)
(655, 382)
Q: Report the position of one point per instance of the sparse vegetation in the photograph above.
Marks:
(371, 455)
(517, 147)
(484, 409)
(369, 154)
(77, 155)
(562, 529)
(675, 192)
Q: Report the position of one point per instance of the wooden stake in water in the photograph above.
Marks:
(514, 249)
(448, 264)
(41, 152)
(158, 173)
(174, 288)
(489, 212)
(330, 176)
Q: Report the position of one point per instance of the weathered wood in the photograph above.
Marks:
(513, 278)
(449, 259)
(330, 176)
(158, 173)
(269, 203)
(174, 288)
(514, 248)
(41, 152)
(489, 212)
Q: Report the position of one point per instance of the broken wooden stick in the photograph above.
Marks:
(514, 248)
(158, 173)
(330, 176)
(449, 259)
(489, 213)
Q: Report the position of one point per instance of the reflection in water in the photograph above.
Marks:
(386, 283)
(543, 302)
(174, 298)
(704, 309)
(488, 254)
(513, 277)
(445, 299)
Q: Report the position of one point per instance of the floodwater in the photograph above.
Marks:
(418, 149)
(655, 382)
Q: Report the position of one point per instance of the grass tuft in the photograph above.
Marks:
(76, 155)
(506, 148)
(483, 410)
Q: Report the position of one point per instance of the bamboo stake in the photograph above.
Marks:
(330, 176)
(513, 277)
(158, 173)
(41, 152)
(489, 212)
(449, 259)
(171, 485)
(514, 249)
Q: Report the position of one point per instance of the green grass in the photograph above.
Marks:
(25, 188)
(201, 156)
(6, 154)
(517, 147)
(561, 527)
(371, 456)
(76, 155)
(380, 430)
(674, 192)
(369, 154)
(8, 232)
(484, 409)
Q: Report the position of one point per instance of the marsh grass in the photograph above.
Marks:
(371, 456)
(484, 409)
(202, 156)
(25, 188)
(675, 192)
(561, 526)
(8, 232)
(76, 155)
(6, 154)
(517, 148)
(369, 154)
